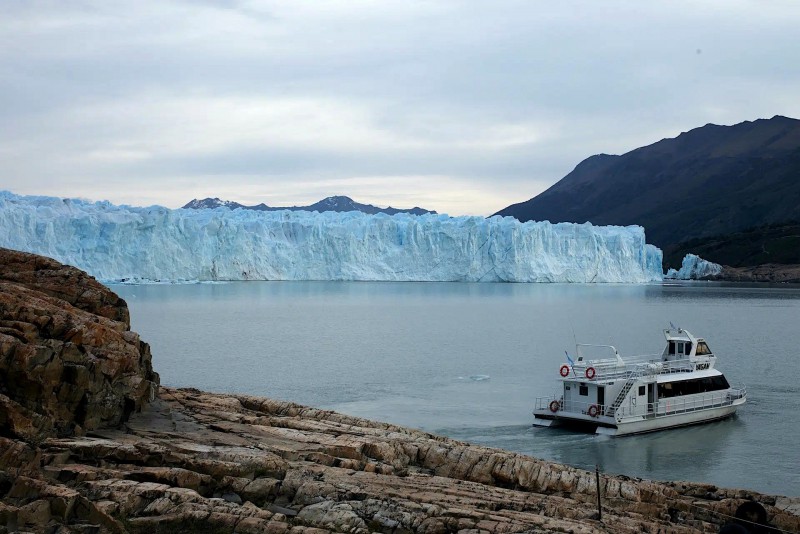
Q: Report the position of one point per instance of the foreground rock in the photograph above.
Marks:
(68, 360)
(215, 463)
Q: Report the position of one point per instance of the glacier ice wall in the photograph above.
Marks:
(156, 243)
(694, 267)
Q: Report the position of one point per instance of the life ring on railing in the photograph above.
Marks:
(593, 409)
(590, 372)
(564, 370)
(554, 406)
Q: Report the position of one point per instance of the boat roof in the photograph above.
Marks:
(679, 334)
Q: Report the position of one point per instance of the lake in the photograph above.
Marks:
(468, 360)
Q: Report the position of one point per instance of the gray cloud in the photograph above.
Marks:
(463, 107)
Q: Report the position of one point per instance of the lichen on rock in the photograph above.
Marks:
(69, 362)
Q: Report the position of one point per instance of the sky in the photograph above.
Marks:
(460, 107)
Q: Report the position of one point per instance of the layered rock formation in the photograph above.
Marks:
(190, 461)
(68, 360)
(196, 461)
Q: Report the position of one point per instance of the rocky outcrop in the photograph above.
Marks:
(196, 461)
(770, 272)
(68, 360)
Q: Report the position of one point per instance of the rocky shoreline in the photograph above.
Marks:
(769, 272)
(90, 443)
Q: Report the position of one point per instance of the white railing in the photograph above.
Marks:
(543, 403)
(633, 368)
(660, 408)
(689, 403)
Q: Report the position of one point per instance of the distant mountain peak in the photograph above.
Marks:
(211, 203)
(338, 203)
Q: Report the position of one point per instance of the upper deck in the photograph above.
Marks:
(683, 353)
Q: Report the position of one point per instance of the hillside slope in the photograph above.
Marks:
(710, 181)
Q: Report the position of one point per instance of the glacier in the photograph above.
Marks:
(125, 243)
(693, 267)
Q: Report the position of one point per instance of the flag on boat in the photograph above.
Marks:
(571, 363)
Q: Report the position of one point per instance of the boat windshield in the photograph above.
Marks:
(702, 349)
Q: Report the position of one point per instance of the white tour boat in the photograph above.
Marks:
(642, 394)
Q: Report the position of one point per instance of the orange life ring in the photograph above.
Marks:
(590, 372)
(564, 370)
(554, 406)
(593, 409)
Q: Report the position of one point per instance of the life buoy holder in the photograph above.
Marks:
(593, 409)
(554, 406)
(590, 372)
(564, 370)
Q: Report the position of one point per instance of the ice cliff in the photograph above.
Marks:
(155, 243)
(694, 267)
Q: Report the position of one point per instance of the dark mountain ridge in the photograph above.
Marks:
(709, 181)
(334, 203)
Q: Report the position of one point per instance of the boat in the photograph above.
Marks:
(609, 395)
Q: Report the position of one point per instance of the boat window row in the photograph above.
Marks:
(680, 347)
(691, 387)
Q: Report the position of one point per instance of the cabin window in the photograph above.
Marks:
(671, 347)
(692, 387)
(641, 391)
(702, 349)
(583, 390)
(687, 348)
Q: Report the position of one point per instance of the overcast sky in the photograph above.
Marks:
(462, 107)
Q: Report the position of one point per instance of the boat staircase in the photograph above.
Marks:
(612, 410)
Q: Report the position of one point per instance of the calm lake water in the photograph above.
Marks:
(468, 360)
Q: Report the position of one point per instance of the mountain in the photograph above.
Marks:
(335, 203)
(212, 203)
(709, 182)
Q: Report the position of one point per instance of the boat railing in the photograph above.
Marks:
(632, 368)
(586, 408)
(738, 392)
(680, 405)
(660, 408)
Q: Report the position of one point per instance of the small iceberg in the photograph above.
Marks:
(474, 378)
(694, 267)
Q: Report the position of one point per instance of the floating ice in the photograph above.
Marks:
(694, 267)
(123, 243)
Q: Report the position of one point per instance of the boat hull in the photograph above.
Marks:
(635, 425)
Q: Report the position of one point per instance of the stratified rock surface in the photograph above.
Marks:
(68, 360)
(198, 462)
